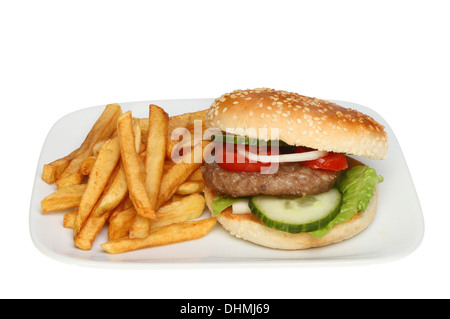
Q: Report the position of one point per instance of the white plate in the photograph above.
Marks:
(396, 231)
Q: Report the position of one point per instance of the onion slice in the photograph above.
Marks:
(283, 158)
(241, 207)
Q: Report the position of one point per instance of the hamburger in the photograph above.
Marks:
(283, 176)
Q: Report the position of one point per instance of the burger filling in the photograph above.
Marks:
(299, 196)
(290, 179)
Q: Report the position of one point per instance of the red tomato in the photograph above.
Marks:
(332, 161)
(231, 160)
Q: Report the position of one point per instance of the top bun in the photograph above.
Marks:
(301, 121)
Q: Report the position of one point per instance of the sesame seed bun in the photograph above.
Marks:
(250, 228)
(301, 121)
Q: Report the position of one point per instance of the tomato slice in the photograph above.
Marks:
(332, 161)
(231, 160)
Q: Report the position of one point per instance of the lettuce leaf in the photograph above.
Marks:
(357, 186)
(222, 202)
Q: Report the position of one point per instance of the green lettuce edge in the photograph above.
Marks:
(358, 186)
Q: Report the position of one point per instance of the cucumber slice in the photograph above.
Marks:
(297, 214)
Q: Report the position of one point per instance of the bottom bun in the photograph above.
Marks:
(250, 228)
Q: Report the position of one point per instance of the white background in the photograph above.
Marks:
(60, 56)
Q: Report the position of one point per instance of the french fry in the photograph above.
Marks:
(143, 122)
(94, 224)
(190, 187)
(54, 170)
(106, 162)
(198, 115)
(97, 147)
(132, 167)
(114, 192)
(170, 148)
(156, 149)
(185, 120)
(134, 185)
(175, 198)
(173, 179)
(154, 164)
(196, 176)
(120, 223)
(87, 165)
(69, 219)
(137, 136)
(188, 208)
(140, 227)
(173, 233)
(91, 228)
(63, 198)
(168, 164)
(102, 129)
(177, 175)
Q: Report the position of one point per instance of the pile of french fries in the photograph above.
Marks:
(123, 177)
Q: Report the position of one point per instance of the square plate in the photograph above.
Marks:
(396, 231)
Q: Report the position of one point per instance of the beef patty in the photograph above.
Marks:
(290, 179)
